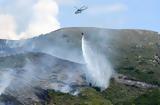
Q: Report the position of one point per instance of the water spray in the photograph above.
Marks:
(99, 70)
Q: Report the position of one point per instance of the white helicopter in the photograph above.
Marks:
(80, 10)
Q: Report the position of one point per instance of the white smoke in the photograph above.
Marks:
(5, 80)
(1, 103)
(27, 18)
(44, 72)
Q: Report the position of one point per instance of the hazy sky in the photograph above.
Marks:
(143, 14)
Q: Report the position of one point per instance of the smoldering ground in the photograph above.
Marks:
(22, 79)
(90, 52)
(68, 45)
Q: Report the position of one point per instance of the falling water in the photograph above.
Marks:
(99, 69)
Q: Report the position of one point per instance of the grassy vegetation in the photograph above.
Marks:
(116, 94)
(135, 59)
(120, 94)
(138, 63)
(132, 58)
(151, 97)
(88, 96)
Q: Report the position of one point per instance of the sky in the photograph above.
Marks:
(28, 18)
(137, 14)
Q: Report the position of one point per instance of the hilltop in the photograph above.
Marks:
(132, 53)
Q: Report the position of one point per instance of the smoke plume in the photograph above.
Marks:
(44, 72)
(27, 18)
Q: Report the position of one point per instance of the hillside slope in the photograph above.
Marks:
(133, 53)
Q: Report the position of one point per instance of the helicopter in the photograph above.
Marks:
(80, 10)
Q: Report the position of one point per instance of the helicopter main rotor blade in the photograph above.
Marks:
(84, 7)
